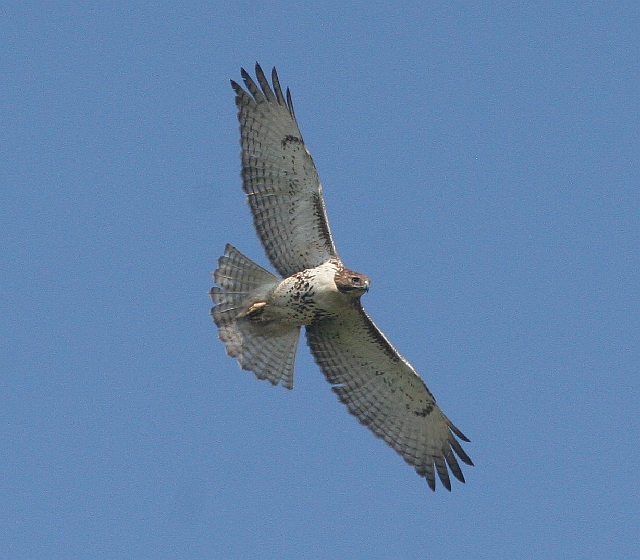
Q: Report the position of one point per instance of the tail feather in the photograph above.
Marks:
(268, 357)
(239, 274)
(266, 349)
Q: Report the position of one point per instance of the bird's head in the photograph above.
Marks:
(350, 282)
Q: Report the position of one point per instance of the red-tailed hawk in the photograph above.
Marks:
(259, 315)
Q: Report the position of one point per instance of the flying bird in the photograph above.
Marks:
(259, 315)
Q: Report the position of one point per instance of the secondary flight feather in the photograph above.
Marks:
(259, 315)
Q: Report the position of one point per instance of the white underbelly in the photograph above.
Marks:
(305, 297)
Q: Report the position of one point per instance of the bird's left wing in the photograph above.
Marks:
(280, 178)
(383, 391)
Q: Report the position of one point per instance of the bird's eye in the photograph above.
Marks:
(355, 280)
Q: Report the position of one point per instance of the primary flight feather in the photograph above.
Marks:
(259, 315)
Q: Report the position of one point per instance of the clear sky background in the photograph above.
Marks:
(481, 164)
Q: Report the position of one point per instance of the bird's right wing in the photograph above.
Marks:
(280, 178)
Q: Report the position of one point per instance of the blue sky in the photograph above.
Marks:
(480, 163)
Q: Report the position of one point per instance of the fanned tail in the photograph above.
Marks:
(266, 349)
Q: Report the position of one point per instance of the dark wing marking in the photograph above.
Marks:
(280, 178)
(383, 391)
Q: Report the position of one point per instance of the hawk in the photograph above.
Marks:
(259, 315)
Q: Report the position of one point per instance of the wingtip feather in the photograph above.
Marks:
(457, 432)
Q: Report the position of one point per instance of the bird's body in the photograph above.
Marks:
(259, 315)
(304, 297)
